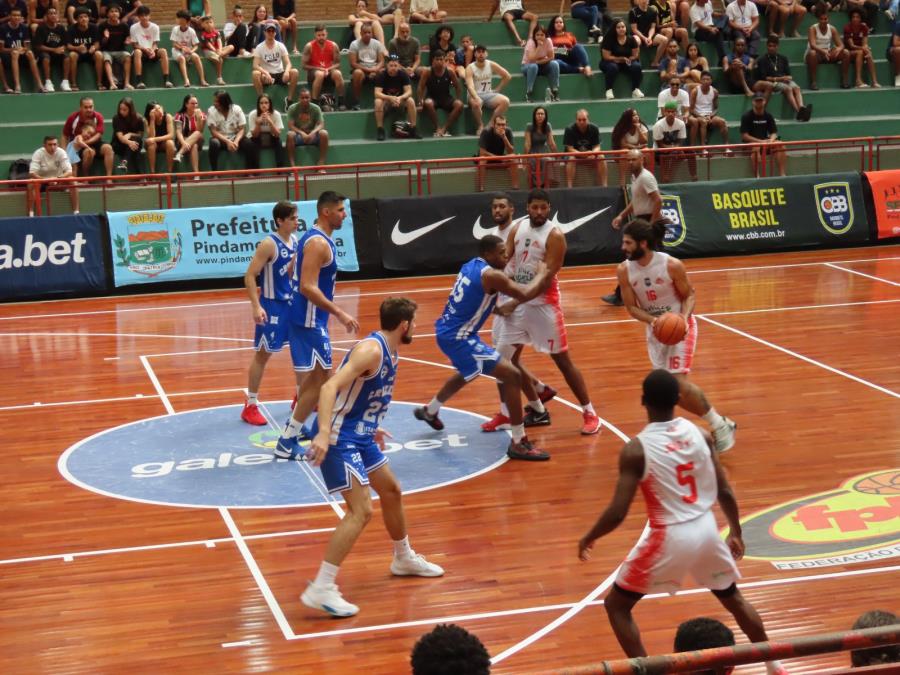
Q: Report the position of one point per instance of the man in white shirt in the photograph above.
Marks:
(705, 112)
(366, 61)
(228, 128)
(704, 26)
(512, 11)
(272, 65)
(479, 83)
(145, 38)
(743, 21)
(49, 161)
(674, 92)
(185, 44)
(671, 132)
(425, 11)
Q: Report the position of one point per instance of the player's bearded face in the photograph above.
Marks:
(538, 212)
(500, 212)
(636, 253)
(407, 336)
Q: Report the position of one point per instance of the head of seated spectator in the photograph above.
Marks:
(450, 649)
(704, 633)
(876, 655)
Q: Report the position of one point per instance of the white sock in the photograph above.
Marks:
(715, 419)
(518, 432)
(433, 407)
(504, 410)
(327, 574)
(402, 548)
(292, 428)
(772, 667)
(537, 406)
(252, 398)
(589, 408)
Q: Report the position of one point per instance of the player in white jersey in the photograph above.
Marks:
(540, 322)
(652, 284)
(678, 472)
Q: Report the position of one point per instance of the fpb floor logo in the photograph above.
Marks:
(210, 458)
(858, 522)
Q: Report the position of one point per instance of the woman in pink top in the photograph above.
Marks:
(539, 59)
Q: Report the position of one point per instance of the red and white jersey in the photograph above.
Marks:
(653, 287)
(531, 251)
(679, 481)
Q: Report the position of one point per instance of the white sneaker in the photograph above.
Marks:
(64, 86)
(415, 565)
(637, 93)
(724, 435)
(610, 95)
(177, 158)
(327, 599)
(48, 87)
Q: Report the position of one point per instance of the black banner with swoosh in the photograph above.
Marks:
(437, 234)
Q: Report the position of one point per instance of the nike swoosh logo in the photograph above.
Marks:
(403, 238)
(479, 231)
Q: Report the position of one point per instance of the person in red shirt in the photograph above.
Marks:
(856, 39)
(322, 61)
(570, 55)
(87, 115)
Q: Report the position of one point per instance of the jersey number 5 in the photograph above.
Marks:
(683, 472)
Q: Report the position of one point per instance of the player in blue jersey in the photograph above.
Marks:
(311, 303)
(268, 283)
(470, 303)
(348, 445)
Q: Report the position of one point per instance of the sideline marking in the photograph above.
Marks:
(199, 392)
(862, 274)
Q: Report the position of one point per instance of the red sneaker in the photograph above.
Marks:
(498, 422)
(591, 424)
(547, 394)
(251, 415)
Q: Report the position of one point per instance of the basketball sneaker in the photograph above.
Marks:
(251, 415)
(526, 451)
(536, 419)
(431, 420)
(498, 422)
(547, 394)
(591, 424)
(327, 599)
(415, 565)
(724, 435)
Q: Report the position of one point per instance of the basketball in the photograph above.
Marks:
(887, 483)
(670, 328)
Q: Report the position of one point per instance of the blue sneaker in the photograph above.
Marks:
(287, 448)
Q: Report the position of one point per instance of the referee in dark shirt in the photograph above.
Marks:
(758, 126)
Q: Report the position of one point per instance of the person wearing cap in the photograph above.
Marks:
(773, 74)
(479, 83)
(366, 61)
(272, 65)
(671, 132)
(758, 127)
(393, 91)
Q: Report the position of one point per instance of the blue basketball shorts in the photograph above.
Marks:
(350, 459)
(273, 334)
(308, 347)
(471, 357)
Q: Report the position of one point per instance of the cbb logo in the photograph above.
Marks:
(834, 204)
(672, 214)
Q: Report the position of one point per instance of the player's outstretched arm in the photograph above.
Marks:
(728, 503)
(316, 254)
(495, 280)
(631, 470)
(683, 286)
(628, 297)
(265, 251)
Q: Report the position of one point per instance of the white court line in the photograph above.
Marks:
(862, 274)
(135, 397)
(800, 307)
(134, 335)
(784, 350)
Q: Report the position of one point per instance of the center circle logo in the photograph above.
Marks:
(209, 458)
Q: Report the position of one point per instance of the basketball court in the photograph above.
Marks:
(148, 528)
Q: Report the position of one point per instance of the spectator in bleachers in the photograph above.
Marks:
(434, 92)
(510, 12)
(49, 161)
(128, 137)
(306, 126)
(256, 31)
(390, 13)
(185, 44)
(738, 68)
(538, 140)
(893, 53)
(671, 132)
(189, 124)
(571, 56)
(758, 126)
(825, 46)
(75, 6)
(780, 11)
(875, 656)
(629, 133)
(272, 65)
(37, 13)
(644, 21)
(50, 49)
(196, 10)
(673, 65)
(159, 133)
(127, 8)
(362, 16)
(408, 49)
(674, 92)
(322, 62)
(703, 22)
(773, 74)
(697, 65)
(15, 49)
(266, 128)
(443, 40)
(366, 61)
(856, 40)
(668, 26)
(114, 36)
(235, 33)
(145, 38)
(705, 113)
(479, 83)
(448, 648)
(590, 13)
(538, 58)
(621, 54)
(743, 21)
(393, 92)
(462, 57)
(228, 130)
(425, 11)
(286, 15)
(583, 138)
(6, 7)
(212, 48)
(92, 145)
(497, 141)
(868, 8)
(702, 633)
(83, 44)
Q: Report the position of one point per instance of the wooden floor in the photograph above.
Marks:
(803, 350)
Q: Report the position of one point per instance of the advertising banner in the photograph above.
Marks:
(886, 197)
(204, 243)
(438, 233)
(764, 214)
(56, 254)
